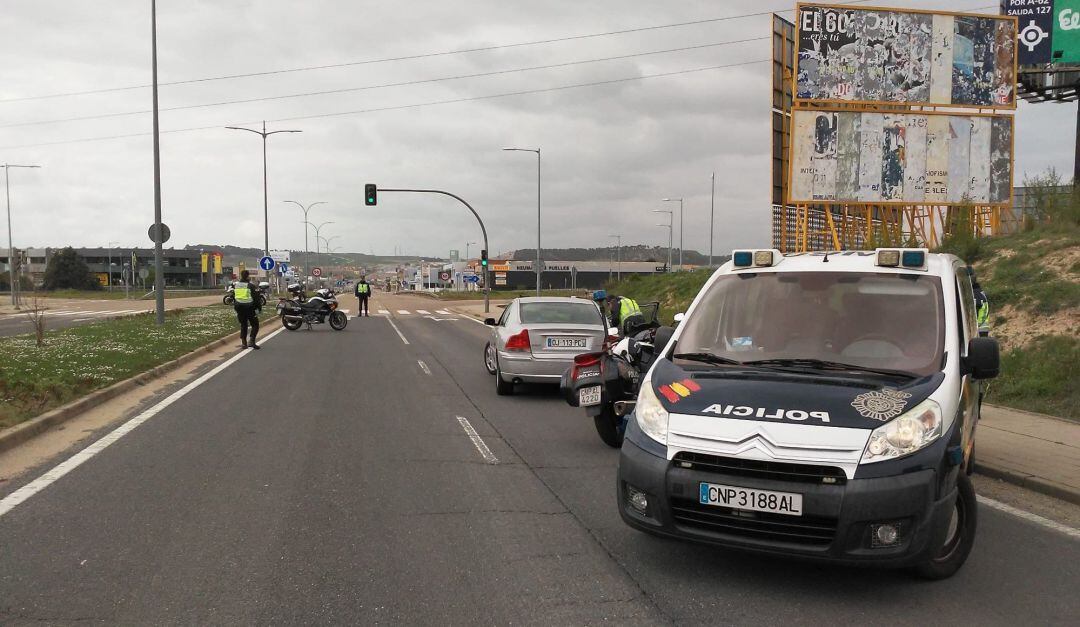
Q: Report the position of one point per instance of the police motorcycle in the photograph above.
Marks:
(299, 310)
(259, 293)
(606, 383)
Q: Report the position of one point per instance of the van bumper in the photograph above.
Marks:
(835, 525)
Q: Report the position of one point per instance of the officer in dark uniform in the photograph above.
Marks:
(363, 293)
(247, 310)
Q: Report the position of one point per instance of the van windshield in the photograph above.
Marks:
(868, 320)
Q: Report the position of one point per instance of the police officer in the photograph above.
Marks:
(363, 293)
(622, 308)
(247, 310)
(982, 309)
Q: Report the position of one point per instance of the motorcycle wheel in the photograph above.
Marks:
(609, 427)
(260, 300)
(228, 300)
(338, 320)
(291, 325)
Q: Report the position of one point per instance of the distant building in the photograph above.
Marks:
(182, 268)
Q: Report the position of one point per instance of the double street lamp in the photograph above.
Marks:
(306, 210)
(109, 281)
(680, 201)
(669, 226)
(618, 249)
(539, 262)
(11, 248)
(266, 203)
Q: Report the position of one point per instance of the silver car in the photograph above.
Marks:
(535, 340)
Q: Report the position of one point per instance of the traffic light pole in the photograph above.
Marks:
(483, 229)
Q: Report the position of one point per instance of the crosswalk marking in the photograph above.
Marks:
(385, 312)
(403, 312)
(442, 312)
(423, 312)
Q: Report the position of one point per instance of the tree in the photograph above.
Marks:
(66, 270)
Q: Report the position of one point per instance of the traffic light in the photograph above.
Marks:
(483, 259)
(370, 194)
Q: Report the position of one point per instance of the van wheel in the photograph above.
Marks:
(502, 388)
(959, 539)
(609, 427)
(489, 358)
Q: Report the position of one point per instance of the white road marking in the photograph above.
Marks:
(424, 367)
(423, 312)
(385, 312)
(397, 330)
(442, 312)
(477, 441)
(403, 312)
(82, 319)
(441, 319)
(37, 485)
(1028, 516)
(475, 320)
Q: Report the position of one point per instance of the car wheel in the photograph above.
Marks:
(489, 358)
(610, 427)
(960, 537)
(502, 388)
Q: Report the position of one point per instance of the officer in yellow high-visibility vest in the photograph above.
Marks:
(622, 308)
(247, 309)
(363, 293)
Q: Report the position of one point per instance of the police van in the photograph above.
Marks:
(818, 405)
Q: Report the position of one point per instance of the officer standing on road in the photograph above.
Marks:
(247, 310)
(363, 293)
(982, 309)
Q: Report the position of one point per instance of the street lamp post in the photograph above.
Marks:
(306, 223)
(712, 214)
(670, 229)
(467, 244)
(266, 201)
(539, 262)
(109, 281)
(11, 247)
(680, 201)
(618, 249)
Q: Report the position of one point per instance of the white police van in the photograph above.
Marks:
(816, 405)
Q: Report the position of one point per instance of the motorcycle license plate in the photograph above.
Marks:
(752, 499)
(589, 396)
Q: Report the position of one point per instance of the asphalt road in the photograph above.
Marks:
(330, 478)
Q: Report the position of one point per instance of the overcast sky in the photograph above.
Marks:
(610, 152)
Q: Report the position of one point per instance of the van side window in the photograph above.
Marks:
(967, 324)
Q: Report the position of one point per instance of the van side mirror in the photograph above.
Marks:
(661, 339)
(983, 359)
(490, 322)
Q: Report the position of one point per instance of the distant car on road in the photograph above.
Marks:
(535, 340)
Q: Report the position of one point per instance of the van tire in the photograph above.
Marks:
(608, 427)
(948, 558)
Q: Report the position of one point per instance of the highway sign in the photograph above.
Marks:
(280, 256)
(316, 272)
(267, 263)
(153, 233)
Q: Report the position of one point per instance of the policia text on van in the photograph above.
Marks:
(816, 406)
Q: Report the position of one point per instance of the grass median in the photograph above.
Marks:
(76, 361)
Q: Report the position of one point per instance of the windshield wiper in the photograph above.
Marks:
(820, 364)
(709, 358)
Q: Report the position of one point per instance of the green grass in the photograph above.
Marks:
(674, 291)
(1020, 278)
(79, 360)
(1041, 377)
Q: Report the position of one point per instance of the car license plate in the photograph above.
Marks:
(567, 342)
(589, 396)
(750, 499)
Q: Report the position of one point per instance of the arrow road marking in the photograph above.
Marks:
(477, 441)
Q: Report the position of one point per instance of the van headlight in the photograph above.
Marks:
(651, 415)
(905, 434)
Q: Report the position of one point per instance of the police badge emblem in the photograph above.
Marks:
(881, 404)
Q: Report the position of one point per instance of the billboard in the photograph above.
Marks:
(883, 56)
(1048, 30)
(900, 158)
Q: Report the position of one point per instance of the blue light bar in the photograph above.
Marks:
(742, 259)
(913, 259)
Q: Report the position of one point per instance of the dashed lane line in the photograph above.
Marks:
(397, 330)
(477, 441)
(424, 367)
(37, 485)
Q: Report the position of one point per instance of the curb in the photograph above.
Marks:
(1030, 482)
(20, 433)
(1033, 414)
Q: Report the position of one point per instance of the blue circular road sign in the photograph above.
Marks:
(267, 263)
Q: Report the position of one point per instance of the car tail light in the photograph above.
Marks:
(586, 360)
(519, 342)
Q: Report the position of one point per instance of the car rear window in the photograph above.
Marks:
(566, 313)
